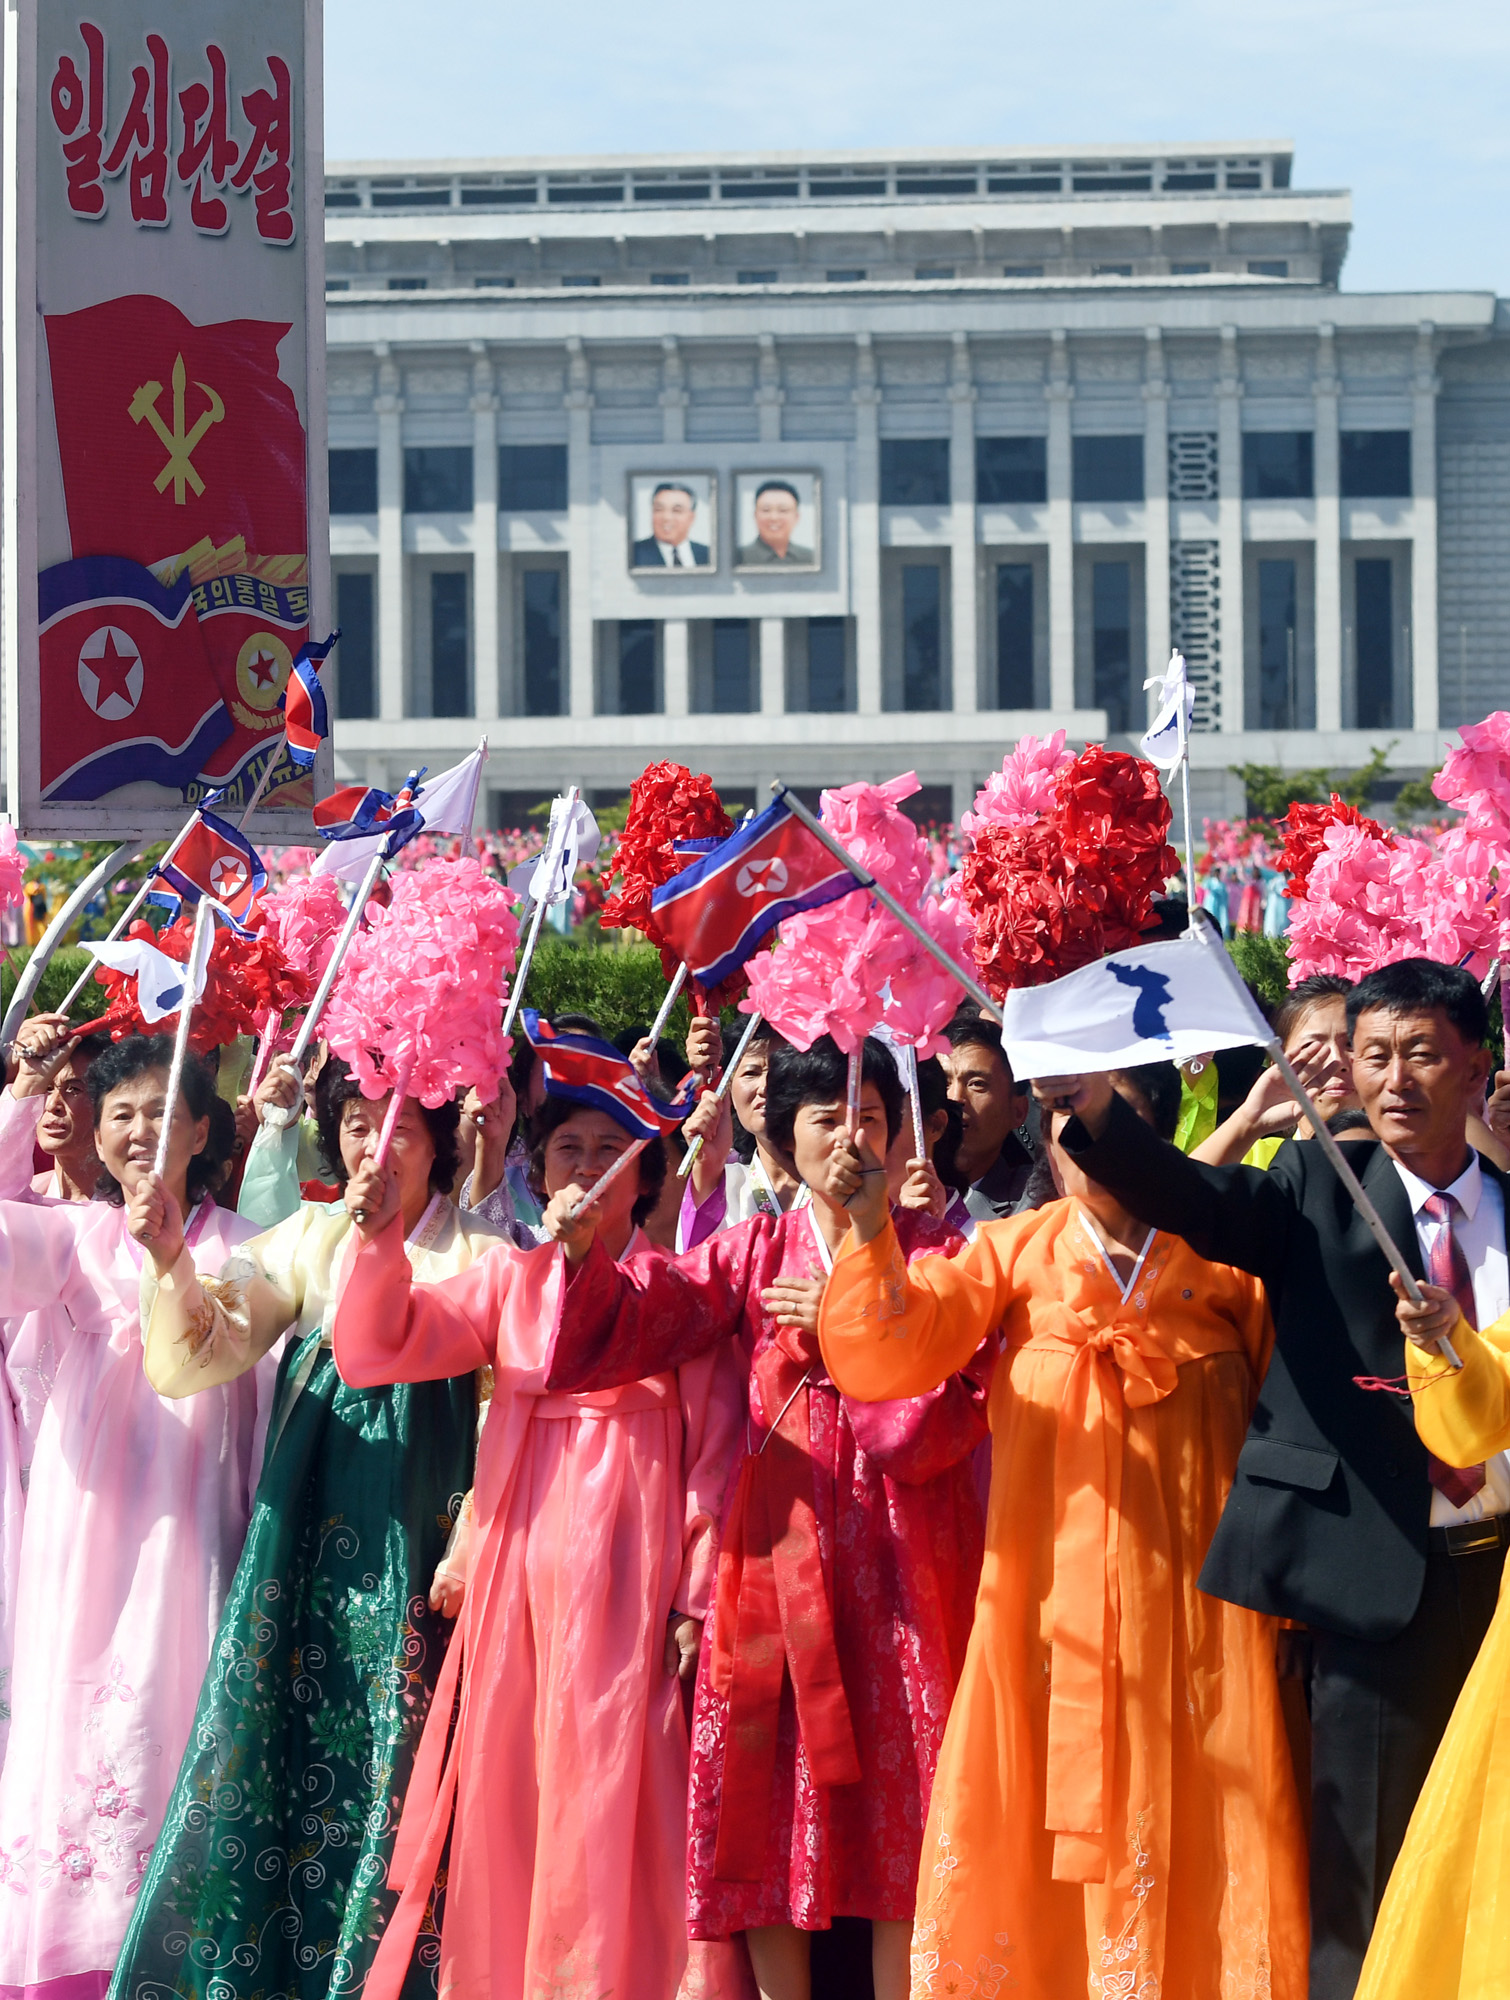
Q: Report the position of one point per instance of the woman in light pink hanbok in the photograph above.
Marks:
(563, 1785)
(135, 1518)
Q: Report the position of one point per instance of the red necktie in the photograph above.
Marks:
(1448, 1267)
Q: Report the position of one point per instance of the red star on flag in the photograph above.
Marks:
(111, 670)
(263, 668)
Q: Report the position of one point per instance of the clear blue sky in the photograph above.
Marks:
(1401, 101)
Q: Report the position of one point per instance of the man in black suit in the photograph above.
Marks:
(1338, 1516)
(673, 509)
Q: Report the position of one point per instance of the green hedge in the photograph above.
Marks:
(61, 972)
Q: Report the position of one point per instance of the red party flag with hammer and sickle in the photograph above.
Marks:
(171, 433)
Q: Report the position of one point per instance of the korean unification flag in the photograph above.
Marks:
(1158, 1003)
(159, 979)
(571, 842)
(1164, 740)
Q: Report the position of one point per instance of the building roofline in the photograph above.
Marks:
(845, 156)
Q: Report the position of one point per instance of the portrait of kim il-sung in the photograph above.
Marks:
(776, 520)
(671, 523)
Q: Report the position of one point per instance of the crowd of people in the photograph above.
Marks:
(1055, 1561)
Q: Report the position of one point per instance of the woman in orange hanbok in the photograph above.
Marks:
(1114, 1812)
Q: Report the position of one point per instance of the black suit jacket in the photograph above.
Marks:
(1330, 1505)
(647, 555)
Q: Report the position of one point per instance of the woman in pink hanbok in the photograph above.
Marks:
(135, 1518)
(562, 1786)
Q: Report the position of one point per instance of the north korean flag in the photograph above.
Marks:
(356, 811)
(306, 720)
(215, 859)
(716, 912)
(170, 433)
(126, 688)
(587, 1071)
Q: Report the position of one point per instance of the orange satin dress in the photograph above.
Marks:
(1114, 1813)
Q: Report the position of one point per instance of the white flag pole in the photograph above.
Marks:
(889, 902)
(204, 929)
(725, 1082)
(316, 1007)
(601, 1186)
(673, 991)
(1185, 795)
(555, 845)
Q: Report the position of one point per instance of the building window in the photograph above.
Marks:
(936, 271)
(1022, 270)
(581, 278)
(1188, 270)
(1279, 681)
(494, 284)
(669, 278)
(438, 479)
(827, 676)
(1374, 642)
(532, 478)
(353, 481)
(731, 666)
(914, 472)
(1011, 471)
(542, 642)
(922, 636)
(356, 663)
(846, 276)
(1111, 270)
(758, 277)
(1266, 267)
(1277, 465)
(1111, 641)
(337, 284)
(1375, 465)
(1014, 635)
(637, 666)
(1108, 468)
(407, 284)
(449, 694)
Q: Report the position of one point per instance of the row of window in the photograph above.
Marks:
(1009, 471)
(1257, 267)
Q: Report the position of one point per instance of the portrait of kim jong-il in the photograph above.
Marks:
(671, 521)
(776, 520)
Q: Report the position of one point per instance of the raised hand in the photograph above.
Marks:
(705, 1044)
(372, 1199)
(575, 1237)
(156, 1221)
(1427, 1323)
(42, 1046)
(1087, 1098)
(490, 1127)
(856, 1182)
(923, 1189)
(280, 1095)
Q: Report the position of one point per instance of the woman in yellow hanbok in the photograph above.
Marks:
(1443, 1932)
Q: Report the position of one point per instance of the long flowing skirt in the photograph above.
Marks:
(270, 1877)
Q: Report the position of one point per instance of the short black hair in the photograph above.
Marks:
(970, 1028)
(1305, 993)
(820, 1075)
(139, 1055)
(1421, 986)
(1158, 1084)
(552, 1115)
(673, 486)
(778, 486)
(335, 1087)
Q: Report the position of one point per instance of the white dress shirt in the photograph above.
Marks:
(1479, 1225)
(676, 555)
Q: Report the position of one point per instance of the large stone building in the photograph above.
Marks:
(1023, 418)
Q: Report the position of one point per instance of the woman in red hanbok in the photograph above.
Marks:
(852, 1542)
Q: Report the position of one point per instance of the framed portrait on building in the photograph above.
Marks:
(777, 521)
(672, 522)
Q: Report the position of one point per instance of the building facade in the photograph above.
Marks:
(828, 466)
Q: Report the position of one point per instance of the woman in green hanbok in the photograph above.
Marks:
(270, 1875)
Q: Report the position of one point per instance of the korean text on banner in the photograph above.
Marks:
(164, 408)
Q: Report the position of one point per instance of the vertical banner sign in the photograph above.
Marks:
(165, 533)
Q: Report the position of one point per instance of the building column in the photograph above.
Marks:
(1060, 392)
(865, 531)
(964, 589)
(772, 666)
(579, 625)
(392, 621)
(674, 397)
(1156, 504)
(676, 676)
(1327, 468)
(487, 701)
(1229, 487)
(1425, 681)
(769, 395)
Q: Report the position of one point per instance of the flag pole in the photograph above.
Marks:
(604, 1182)
(316, 1007)
(262, 783)
(554, 846)
(725, 1082)
(673, 992)
(204, 926)
(1334, 1152)
(119, 926)
(884, 896)
(1185, 794)
(51, 938)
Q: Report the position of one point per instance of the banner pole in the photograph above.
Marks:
(620, 1166)
(262, 783)
(204, 926)
(673, 993)
(553, 849)
(889, 902)
(725, 1082)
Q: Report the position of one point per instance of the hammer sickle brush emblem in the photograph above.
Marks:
(179, 444)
